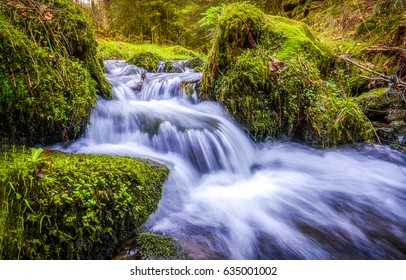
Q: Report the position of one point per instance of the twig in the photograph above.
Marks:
(383, 77)
(363, 67)
(385, 48)
(372, 78)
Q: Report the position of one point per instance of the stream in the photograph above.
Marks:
(229, 198)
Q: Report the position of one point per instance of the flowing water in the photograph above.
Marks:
(228, 198)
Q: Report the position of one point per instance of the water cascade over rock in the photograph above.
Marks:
(228, 198)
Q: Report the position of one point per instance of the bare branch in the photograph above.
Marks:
(363, 67)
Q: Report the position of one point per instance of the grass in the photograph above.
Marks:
(123, 50)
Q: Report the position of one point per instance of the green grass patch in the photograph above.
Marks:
(123, 50)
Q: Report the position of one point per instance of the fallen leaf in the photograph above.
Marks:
(48, 16)
(276, 65)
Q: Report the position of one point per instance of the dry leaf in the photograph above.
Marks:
(276, 65)
(48, 16)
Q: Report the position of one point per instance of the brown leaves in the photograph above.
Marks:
(48, 15)
(276, 64)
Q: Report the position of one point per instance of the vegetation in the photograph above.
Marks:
(49, 74)
(126, 50)
(70, 206)
(146, 55)
(370, 32)
(150, 246)
(272, 75)
(157, 247)
(170, 22)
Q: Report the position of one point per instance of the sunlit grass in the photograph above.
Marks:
(123, 50)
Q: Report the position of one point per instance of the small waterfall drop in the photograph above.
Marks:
(227, 198)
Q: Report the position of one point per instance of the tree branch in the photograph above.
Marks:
(363, 67)
(383, 76)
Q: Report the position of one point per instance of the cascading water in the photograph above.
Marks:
(227, 198)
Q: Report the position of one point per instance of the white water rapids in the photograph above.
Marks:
(228, 198)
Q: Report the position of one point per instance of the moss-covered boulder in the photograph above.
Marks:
(272, 74)
(146, 59)
(72, 206)
(49, 74)
(386, 108)
(151, 246)
(196, 63)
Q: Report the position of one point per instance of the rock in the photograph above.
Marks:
(81, 207)
(172, 66)
(195, 63)
(150, 246)
(396, 114)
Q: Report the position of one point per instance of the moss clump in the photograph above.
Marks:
(157, 247)
(148, 60)
(68, 206)
(196, 63)
(386, 108)
(269, 72)
(49, 75)
(336, 118)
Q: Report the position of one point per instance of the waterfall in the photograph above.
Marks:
(228, 198)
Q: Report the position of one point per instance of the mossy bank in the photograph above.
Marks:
(273, 75)
(49, 73)
(371, 34)
(72, 206)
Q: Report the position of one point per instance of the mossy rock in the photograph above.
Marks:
(196, 63)
(151, 246)
(146, 59)
(171, 67)
(73, 206)
(386, 110)
(270, 73)
(182, 51)
(49, 74)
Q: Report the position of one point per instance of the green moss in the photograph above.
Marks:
(68, 206)
(157, 247)
(148, 60)
(196, 63)
(43, 97)
(268, 72)
(339, 120)
(49, 75)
